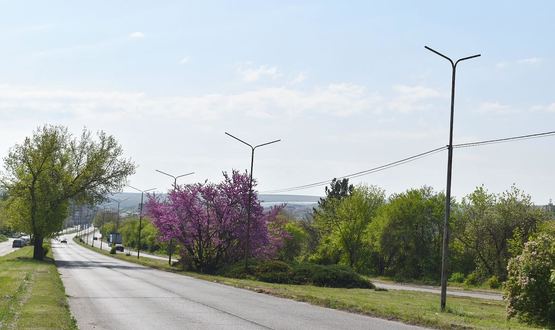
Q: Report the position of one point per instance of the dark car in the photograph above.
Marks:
(119, 248)
(17, 243)
(63, 240)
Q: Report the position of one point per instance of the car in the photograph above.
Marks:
(95, 238)
(17, 243)
(63, 240)
(119, 247)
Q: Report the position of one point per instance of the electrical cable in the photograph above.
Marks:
(413, 158)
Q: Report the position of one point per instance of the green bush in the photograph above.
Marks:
(456, 278)
(493, 282)
(530, 286)
(274, 271)
(3, 238)
(303, 273)
(337, 276)
(113, 250)
(472, 279)
(237, 270)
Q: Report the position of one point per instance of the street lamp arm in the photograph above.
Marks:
(265, 144)
(171, 176)
(467, 58)
(238, 139)
(440, 54)
(139, 190)
(182, 175)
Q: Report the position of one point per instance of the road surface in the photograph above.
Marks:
(380, 284)
(6, 247)
(88, 239)
(437, 290)
(107, 293)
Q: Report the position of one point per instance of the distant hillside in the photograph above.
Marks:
(130, 201)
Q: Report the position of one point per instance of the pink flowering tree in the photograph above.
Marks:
(210, 222)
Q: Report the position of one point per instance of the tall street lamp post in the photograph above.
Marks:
(140, 217)
(118, 201)
(444, 255)
(170, 245)
(247, 248)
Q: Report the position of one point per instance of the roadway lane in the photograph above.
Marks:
(106, 293)
(6, 247)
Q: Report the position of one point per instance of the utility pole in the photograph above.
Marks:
(140, 217)
(247, 247)
(170, 244)
(444, 255)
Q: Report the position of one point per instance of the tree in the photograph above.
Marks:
(495, 228)
(407, 234)
(354, 214)
(209, 222)
(52, 167)
(530, 286)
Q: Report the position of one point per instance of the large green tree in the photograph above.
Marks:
(494, 228)
(407, 234)
(52, 167)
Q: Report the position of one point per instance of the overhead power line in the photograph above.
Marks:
(365, 172)
(412, 158)
(503, 140)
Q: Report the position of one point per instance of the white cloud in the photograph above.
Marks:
(251, 74)
(299, 78)
(544, 108)
(524, 61)
(136, 35)
(412, 98)
(494, 107)
(184, 60)
(530, 60)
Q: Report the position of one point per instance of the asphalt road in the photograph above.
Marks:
(437, 290)
(106, 293)
(6, 247)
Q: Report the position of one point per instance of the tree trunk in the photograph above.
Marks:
(38, 252)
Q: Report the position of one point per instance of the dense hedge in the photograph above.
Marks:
(275, 271)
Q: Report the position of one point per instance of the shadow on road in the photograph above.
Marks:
(94, 264)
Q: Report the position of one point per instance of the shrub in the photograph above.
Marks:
(274, 271)
(493, 282)
(472, 279)
(456, 277)
(303, 273)
(237, 270)
(530, 286)
(336, 276)
(113, 250)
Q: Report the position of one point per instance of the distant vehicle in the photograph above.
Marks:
(95, 238)
(63, 240)
(17, 243)
(119, 247)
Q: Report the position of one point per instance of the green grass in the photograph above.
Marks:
(32, 295)
(3, 238)
(410, 307)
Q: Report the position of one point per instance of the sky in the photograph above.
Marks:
(345, 85)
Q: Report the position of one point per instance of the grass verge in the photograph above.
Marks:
(409, 307)
(32, 295)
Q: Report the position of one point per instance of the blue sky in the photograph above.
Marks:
(346, 85)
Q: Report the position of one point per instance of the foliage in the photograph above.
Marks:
(494, 228)
(344, 228)
(456, 278)
(273, 271)
(52, 167)
(210, 222)
(337, 276)
(493, 282)
(296, 243)
(530, 287)
(407, 234)
(472, 279)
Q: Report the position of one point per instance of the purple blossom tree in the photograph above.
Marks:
(210, 222)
